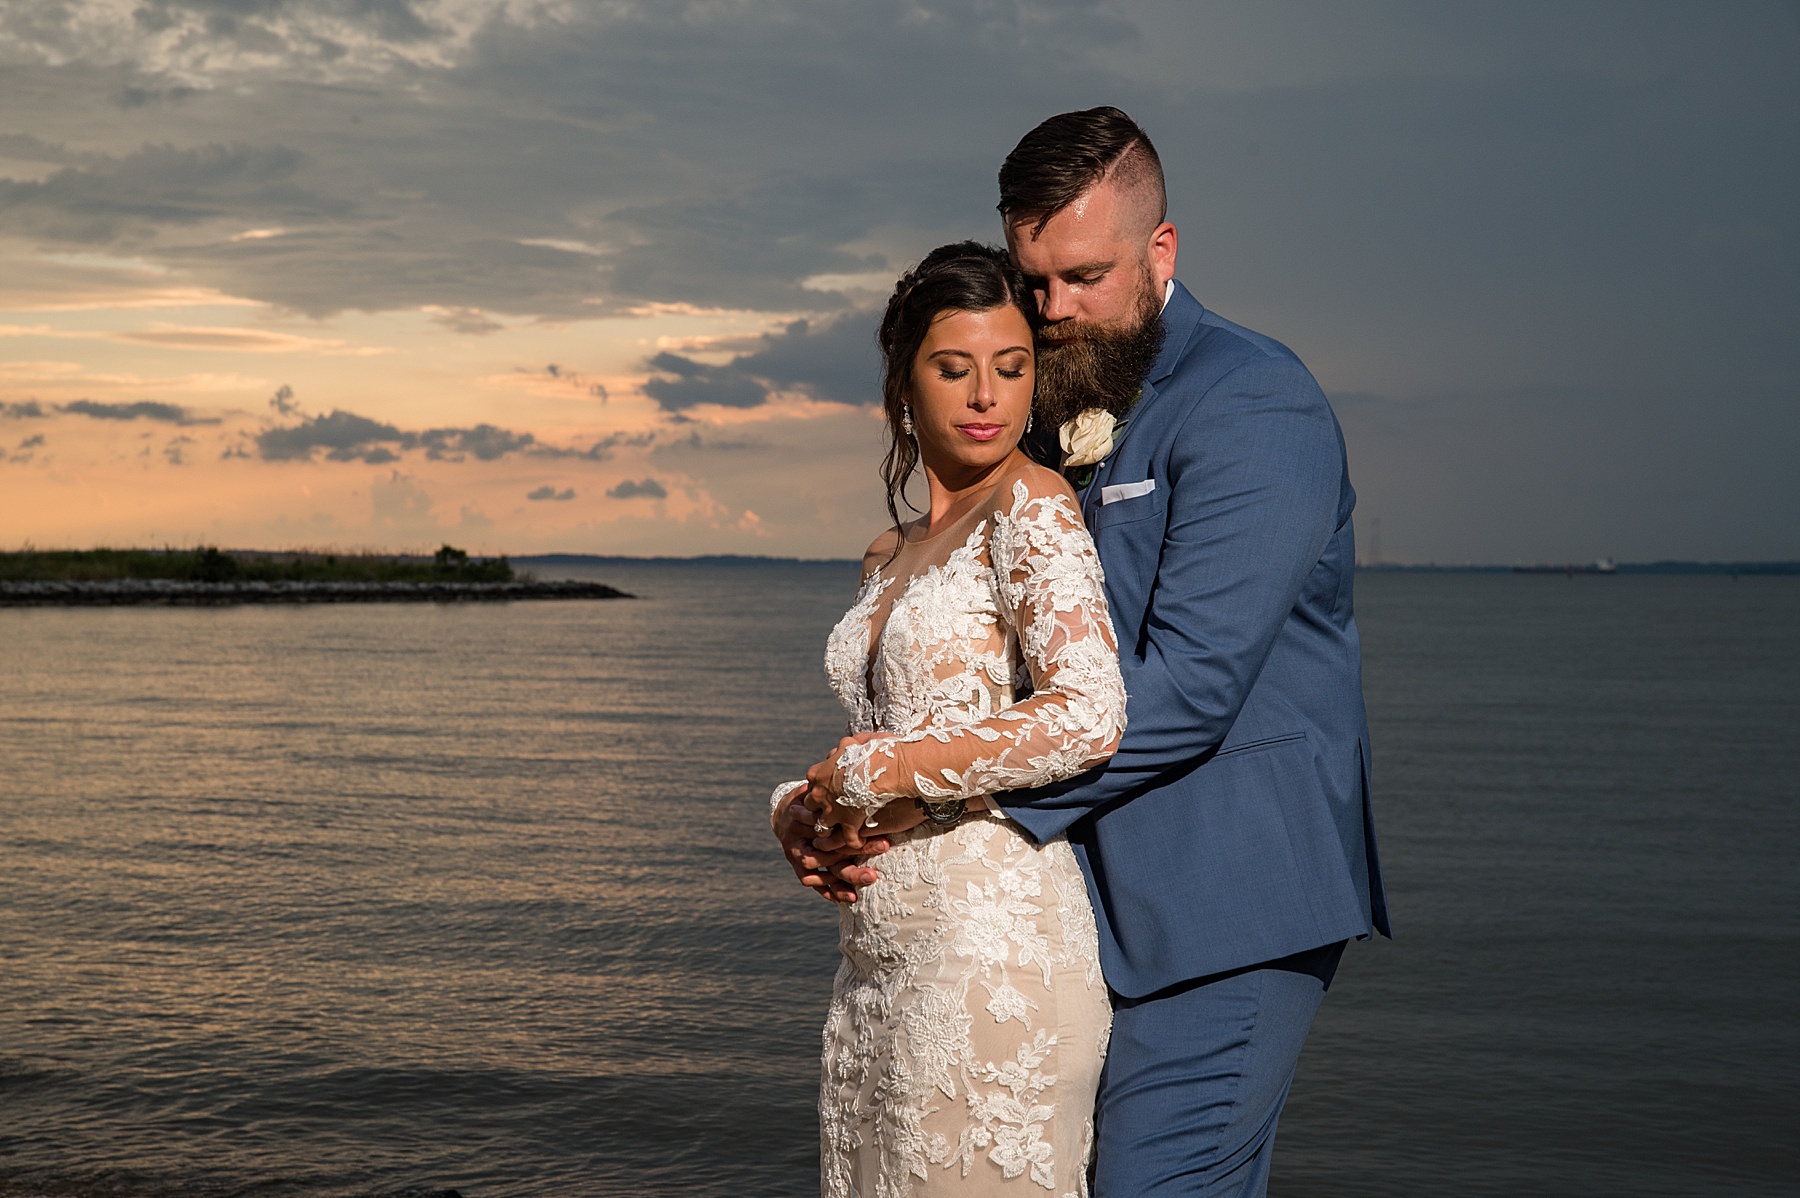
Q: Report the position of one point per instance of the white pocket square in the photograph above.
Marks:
(1120, 491)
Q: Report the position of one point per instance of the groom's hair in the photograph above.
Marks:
(1059, 161)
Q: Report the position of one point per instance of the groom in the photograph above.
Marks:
(1228, 845)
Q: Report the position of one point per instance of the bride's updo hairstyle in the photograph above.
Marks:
(964, 276)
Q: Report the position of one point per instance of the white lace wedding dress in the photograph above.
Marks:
(969, 1020)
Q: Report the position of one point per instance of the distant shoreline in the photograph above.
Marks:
(137, 592)
(244, 566)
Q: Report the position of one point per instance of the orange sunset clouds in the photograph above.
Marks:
(603, 277)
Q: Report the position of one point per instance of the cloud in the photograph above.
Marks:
(602, 449)
(195, 40)
(166, 413)
(549, 492)
(628, 153)
(648, 489)
(471, 322)
(834, 360)
(345, 436)
(484, 442)
(160, 186)
(28, 410)
(350, 437)
(27, 148)
(251, 341)
(178, 337)
(25, 451)
(684, 383)
(263, 28)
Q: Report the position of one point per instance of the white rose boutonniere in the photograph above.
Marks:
(1088, 438)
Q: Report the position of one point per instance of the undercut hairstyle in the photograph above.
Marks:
(964, 276)
(1065, 157)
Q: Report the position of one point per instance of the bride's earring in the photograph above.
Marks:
(906, 421)
(1029, 417)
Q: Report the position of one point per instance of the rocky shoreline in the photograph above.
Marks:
(171, 592)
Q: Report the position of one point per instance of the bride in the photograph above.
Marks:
(968, 1021)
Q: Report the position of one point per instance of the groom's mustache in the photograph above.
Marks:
(1055, 336)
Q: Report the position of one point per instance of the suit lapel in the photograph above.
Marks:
(1181, 318)
(1181, 324)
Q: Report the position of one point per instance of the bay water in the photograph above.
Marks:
(350, 901)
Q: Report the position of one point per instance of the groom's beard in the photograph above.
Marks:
(1099, 367)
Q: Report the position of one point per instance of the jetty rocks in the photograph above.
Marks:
(181, 593)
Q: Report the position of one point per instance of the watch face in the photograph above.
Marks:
(945, 813)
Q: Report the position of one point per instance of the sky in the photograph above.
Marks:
(600, 276)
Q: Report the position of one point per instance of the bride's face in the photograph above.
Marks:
(971, 387)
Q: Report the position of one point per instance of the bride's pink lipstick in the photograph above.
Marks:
(982, 432)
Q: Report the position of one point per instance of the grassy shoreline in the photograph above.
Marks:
(211, 565)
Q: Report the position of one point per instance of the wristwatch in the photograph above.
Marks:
(945, 815)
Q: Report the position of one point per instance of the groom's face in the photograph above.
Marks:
(1096, 266)
(1098, 269)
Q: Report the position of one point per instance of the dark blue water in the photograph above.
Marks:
(359, 901)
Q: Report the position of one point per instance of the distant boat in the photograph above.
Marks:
(1605, 565)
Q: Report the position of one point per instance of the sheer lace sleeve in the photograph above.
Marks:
(1048, 577)
(783, 793)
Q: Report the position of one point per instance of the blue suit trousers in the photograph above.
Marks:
(1196, 1076)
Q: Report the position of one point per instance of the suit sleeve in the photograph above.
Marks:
(1254, 480)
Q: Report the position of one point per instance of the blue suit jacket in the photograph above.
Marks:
(1233, 825)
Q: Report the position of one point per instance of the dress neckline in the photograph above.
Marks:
(979, 505)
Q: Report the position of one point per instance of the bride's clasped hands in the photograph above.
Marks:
(830, 847)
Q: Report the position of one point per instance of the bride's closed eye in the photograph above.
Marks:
(950, 376)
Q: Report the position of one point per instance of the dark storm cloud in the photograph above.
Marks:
(159, 187)
(648, 489)
(261, 25)
(835, 360)
(549, 492)
(750, 252)
(28, 410)
(35, 149)
(556, 166)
